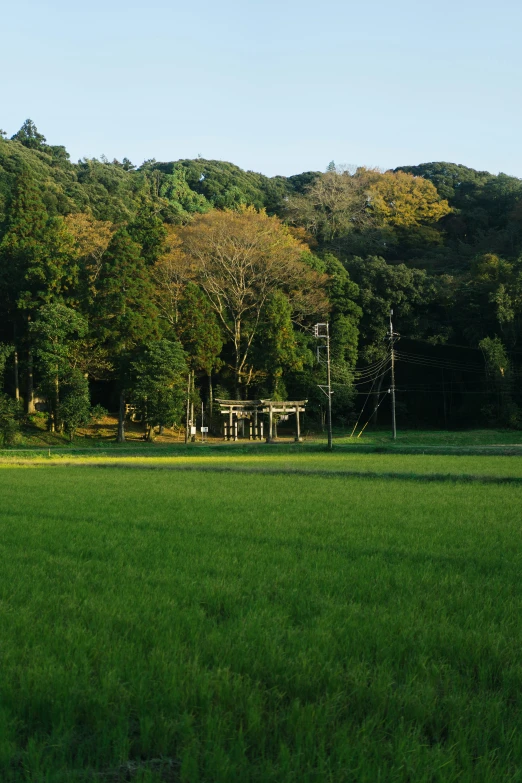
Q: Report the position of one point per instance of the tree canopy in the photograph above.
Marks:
(233, 268)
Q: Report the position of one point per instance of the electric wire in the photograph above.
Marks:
(375, 368)
(442, 363)
(374, 412)
(364, 383)
(369, 367)
(388, 358)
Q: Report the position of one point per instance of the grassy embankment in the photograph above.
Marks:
(103, 436)
(213, 626)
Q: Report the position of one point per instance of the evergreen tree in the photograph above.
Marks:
(37, 263)
(200, 334)
(75, 405)
(278, 343)
(148, 231)
(54, 332)
(28, 136)
(124, 315)
(159, 384)
(37, 254)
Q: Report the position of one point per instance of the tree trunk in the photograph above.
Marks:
(192, 419)
(187, 417)
(237, 348)
(121, 419)
(16, 376)
(238, 384)
(210, 395)
(55, 427)
(30, 385)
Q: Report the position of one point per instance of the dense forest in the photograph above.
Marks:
(124, 285)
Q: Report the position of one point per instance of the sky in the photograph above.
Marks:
(276, 87)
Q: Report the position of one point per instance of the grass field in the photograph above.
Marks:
(260, 617)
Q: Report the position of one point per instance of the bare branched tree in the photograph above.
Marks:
(239, 258)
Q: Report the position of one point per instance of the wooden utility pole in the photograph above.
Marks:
(329, 385)
(322, 331)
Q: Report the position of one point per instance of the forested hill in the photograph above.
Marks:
(112, 190)
(486, 214)
(85, 245)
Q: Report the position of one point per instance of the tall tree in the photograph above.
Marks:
(148, 231)
(500, 409)
(200, 333)
(28, 136)
(340, 202)
(278, 344)
(54, 332)
(37, 262)
(91, 240)
(240, 258)
(159, 383)
(124, 315)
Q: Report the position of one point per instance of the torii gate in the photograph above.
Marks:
(251, 409)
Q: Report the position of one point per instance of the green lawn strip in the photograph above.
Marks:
(407, 440)
(258, 628)
(399, 465)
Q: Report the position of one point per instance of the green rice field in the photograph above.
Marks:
(266, 616)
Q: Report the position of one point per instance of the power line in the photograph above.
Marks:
(439, 364)
(368, 397)
(379, 375)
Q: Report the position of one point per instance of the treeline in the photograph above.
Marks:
(124, 285)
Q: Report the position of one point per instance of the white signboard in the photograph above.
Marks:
(193, 430)
(204, 429)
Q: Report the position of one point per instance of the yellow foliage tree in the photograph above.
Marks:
(91, 238)
(404, 201)
(171, 272)
(240, 258)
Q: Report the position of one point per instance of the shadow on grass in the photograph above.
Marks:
(466, 478)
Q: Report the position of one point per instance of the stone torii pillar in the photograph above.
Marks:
(270, 424)
(298, 437)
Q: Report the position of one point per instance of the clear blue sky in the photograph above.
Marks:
(278, 87)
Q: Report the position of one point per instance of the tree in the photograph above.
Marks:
(38, 252)
(10, 417)
(28, 136)
(75, 406)
(278, 344)
(500, 409)
(240, 258)
(91, 239)
(345, 314)
(159, 384)
(148, 231)
(333, 204)
(10, 411)
(37, 262)
(124, 315)
(340, 207)
(200, 334)
(171, 273)
(399, 199)
(5, 353)
(384, 286)
(54, 332)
